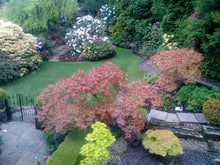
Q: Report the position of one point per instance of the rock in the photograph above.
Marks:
(59, 51)
(180, 109)
(81, 58)
(214, 146)
(194, 145)
(116, 150)
(212, 133)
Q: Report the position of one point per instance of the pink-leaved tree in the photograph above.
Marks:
(85, 98)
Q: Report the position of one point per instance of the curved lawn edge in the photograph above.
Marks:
(51, 72)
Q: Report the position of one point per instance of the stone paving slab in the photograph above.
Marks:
(200, 117)
(172, 117)
(160, 115)
(187, 117)
(20, 140)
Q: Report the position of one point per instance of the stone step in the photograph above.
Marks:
(212, 133)
(177, 117)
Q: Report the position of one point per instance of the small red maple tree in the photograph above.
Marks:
(176, 66)
(82, 99)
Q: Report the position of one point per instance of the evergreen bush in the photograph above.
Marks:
(98, 49)
(211, 110)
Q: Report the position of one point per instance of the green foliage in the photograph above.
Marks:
(37, 103)
(118, 34)
(2, 95)
(162, 142)
(97, 50)
(46, 45)
(158, 9)
(175, 12)
(49, 137)
(92, 6)
(194, 97)
(211, 110)
(1, 141)
(133, 17)
(211, 63)
(9, 68)
(200, 31)
(150, 78)
(168, 101)
(68, 152)
(151, 40)
(96, 149)
(40, 15)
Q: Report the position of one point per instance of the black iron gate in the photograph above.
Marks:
(20, 108)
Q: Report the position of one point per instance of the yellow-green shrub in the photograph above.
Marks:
(211, 110)
(2, 95)
(20, 46)
(96, 148)
(37, 103)
(162, 142)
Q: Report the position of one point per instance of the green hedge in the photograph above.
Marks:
(68, 152)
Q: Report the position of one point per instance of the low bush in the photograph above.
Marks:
(150, 78)
(162, 142)
(97, 50)
(176, 66)
(152, 40)
(50, 139)
(193, 97)
(20, 47)
(95, 150)
(211, 110)
(168, 102)
(46, 45)
(2, 95)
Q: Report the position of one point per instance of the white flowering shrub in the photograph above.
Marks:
(20, 46)
(107, 14)
(85, 30)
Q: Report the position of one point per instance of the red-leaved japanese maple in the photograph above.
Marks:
(84, 98)
(176, 66)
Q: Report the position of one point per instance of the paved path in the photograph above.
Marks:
(20, 139)
(177, 117)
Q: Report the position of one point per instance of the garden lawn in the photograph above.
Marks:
(68, 152)
(33, 83)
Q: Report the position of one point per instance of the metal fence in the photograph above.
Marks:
(20, 108)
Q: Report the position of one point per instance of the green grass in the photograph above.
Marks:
(68, 152)
(32, 84)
